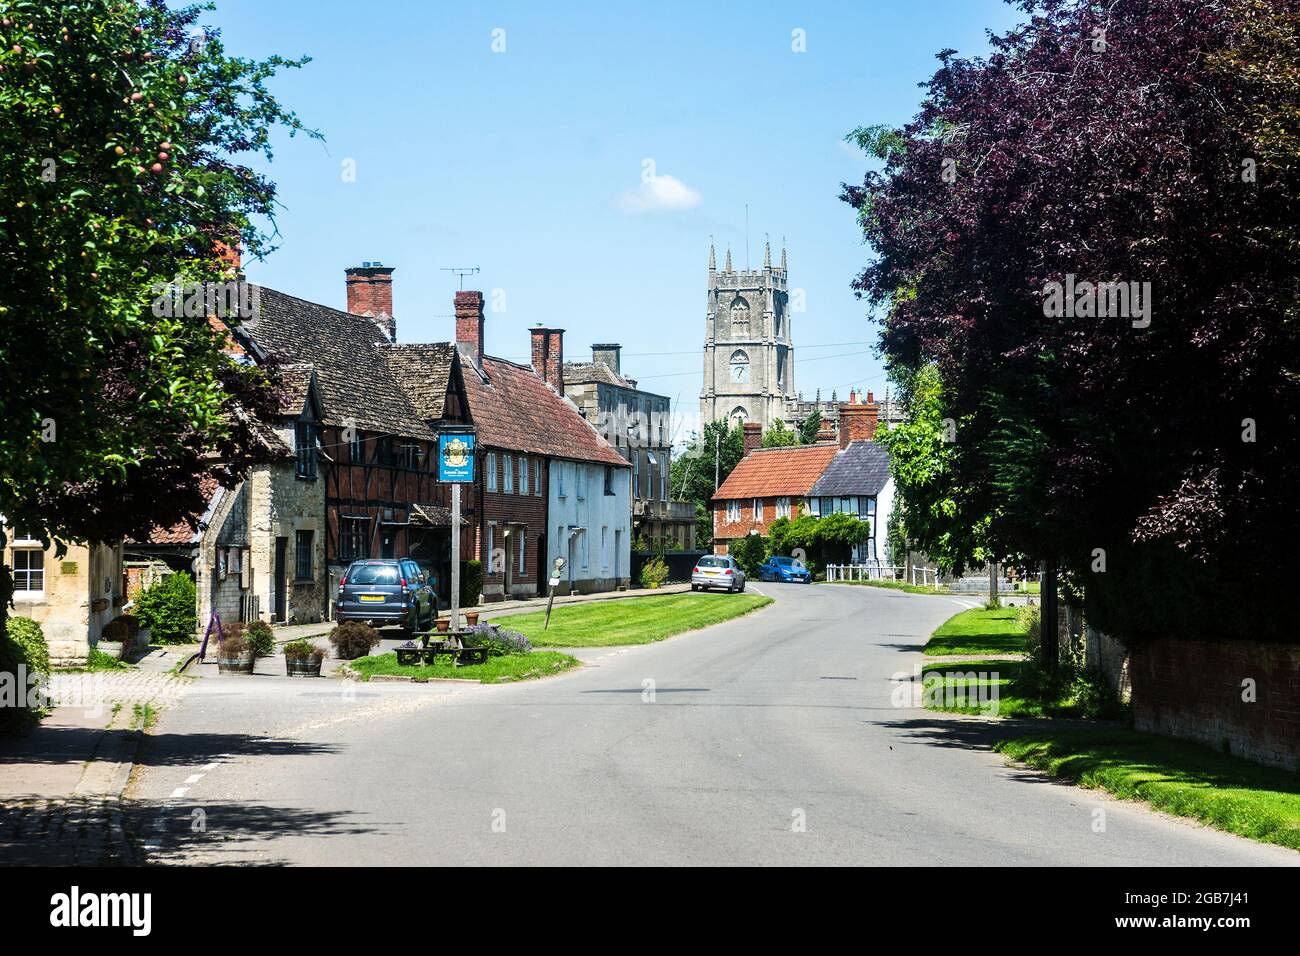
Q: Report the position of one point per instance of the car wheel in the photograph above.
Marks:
(742, 585)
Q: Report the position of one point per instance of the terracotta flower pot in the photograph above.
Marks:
(471, 618)
(443, 623)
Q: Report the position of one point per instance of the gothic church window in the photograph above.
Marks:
(739, 415)
(739, 316)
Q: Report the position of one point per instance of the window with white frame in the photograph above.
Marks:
(491, 471)
(29, 570)
(523, 550)
(523, 475)
(783, 507)
(507, 473)
(491, 548)
(733, 509)
(758, 509)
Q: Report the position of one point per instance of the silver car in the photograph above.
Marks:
(717, 571)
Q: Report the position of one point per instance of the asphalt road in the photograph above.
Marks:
(772, 739)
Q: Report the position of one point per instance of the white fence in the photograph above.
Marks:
(873, 571)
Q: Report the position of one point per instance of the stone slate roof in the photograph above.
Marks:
(768, 472)
(295, 382)
(424, 372)
(581, 373)
(349, 354)
(515, 410)
(860, 469)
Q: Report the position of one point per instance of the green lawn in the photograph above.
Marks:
(640, 620)
(980, 631)
(1171, 775)
(1022, 691)
(497, 670)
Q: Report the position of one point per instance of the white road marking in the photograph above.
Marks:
(179, 792)
(194, 778)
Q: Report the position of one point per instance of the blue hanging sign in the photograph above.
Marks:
(456, 456)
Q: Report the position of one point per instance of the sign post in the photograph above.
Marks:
(554, 583)
(456, 466)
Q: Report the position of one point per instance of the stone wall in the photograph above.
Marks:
(1238, 697)
(86, 577)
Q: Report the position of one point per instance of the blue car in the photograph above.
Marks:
(778, 568)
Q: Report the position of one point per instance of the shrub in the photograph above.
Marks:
(471, 583)
(352, 639)
(233, 644)
(749, 552)
(654, 573)
(22, 645)
(167, 608)
(498, 640)
(116, 631)
(261, 639)
(303, 650)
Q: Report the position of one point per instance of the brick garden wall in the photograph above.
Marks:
(1193, 690)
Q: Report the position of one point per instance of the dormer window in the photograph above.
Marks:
(304, 440)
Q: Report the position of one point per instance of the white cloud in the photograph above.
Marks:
(658, 194)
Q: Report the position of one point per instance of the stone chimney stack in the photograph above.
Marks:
(548, 355)
(607, 353)
(469, 327)
(858, 420)
(370, 293)
(753, 436)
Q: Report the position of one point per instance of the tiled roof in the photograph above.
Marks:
(860, 469)
(777, 471)
(182, 533)
(349, 354)
(517, 411)
(424, 372)
(579, 373)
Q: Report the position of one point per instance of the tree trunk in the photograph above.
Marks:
(1050, 605)
(993, 583)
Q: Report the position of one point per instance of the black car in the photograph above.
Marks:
(379, 591)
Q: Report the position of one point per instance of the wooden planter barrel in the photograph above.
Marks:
(235, 665)
(303, 667)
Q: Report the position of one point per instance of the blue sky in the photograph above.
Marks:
(529, 162)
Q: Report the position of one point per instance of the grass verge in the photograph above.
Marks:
(981, 631)
(895, 586)
(497, 670)
(1176, 776)
(640, 620)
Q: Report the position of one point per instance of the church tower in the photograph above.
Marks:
(748, 352)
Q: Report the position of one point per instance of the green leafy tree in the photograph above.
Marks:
(122, 126)
(749, 551)
(779, 435)
(692, 475)
(811, 426)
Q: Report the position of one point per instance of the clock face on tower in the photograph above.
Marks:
(740, 373)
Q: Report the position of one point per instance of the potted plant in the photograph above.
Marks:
(302, 658)
(352, 639)
(471, 618)
(261, 639)
(443, 623)
(234, 656)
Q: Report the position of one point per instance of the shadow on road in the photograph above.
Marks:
(976, 734)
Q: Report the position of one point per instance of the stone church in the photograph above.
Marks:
(748, 351)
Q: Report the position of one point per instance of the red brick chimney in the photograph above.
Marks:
(753, 436)
(469, 327)
(858, 420)
(228, 256)
(370, 293)
(548, 355)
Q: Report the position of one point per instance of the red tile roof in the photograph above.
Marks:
(182, 532)
(517, 411)
(766, 472)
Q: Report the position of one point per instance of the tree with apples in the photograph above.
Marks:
(123, 127)
(1141, 141)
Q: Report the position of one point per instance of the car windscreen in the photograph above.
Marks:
(782, 561)
(373, 574)
(712, 562)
